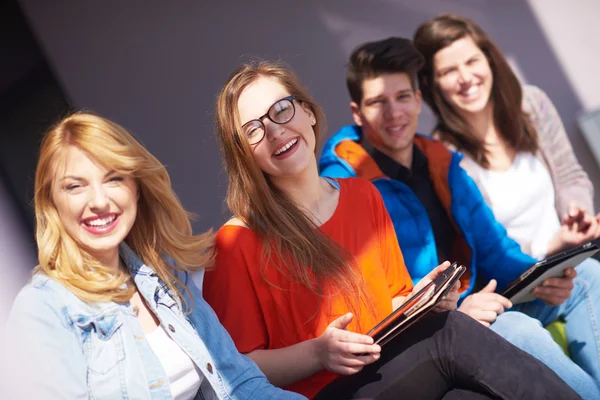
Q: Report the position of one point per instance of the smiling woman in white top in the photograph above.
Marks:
(517, 151)
(484, 113)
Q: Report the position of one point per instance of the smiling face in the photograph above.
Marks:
(97, 207)
(388, 112)
(286, 149)
(463, 75)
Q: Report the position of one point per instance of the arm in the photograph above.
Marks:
(229, 290)
(51, 363)
(335, 350)
(571, 183)
(501, 260)
(275, 363)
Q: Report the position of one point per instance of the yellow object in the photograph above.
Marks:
(557, 330)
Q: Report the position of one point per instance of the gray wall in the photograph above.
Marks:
(155, 66)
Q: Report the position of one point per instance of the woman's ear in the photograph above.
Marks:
(311, 114)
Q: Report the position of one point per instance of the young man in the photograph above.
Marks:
(439, 214)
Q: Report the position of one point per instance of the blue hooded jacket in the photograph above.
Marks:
(482, 243)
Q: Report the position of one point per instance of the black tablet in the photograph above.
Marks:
(416, 305)
(519, 291)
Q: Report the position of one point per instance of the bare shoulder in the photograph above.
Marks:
(235, 221)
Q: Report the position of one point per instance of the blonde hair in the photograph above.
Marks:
(307, 255)
(162, 226)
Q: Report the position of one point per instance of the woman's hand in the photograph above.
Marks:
(577, 228)
(340, 351)
(451, 300)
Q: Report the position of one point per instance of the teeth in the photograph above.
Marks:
(472, 90)
(394, 129)
(286, 147)
(101, 221)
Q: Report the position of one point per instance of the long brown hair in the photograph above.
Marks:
(162, 226)
(507, 95)
(307, 256)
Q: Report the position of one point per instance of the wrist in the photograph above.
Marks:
(315, 350)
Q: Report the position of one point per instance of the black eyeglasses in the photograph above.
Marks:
(280, 113)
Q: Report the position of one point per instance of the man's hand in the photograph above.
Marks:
(555, 291)
(485, 306)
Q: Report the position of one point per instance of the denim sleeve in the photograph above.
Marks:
(48, 361)
(496, 255)
(241, 375)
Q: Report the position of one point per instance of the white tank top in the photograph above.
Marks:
(522, 199)
(184, 377)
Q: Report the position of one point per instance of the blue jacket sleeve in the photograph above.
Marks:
(44, 350)
(496, 255)
(334, 169)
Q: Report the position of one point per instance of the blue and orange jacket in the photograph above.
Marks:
(481, 242)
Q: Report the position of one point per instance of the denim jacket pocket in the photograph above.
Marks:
(102, 341)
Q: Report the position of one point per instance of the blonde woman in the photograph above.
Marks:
(111, 311)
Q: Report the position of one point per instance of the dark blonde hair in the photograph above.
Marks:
(307, 256)
(507, 95)
(162, 226)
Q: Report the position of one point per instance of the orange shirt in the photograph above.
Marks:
(276, 312)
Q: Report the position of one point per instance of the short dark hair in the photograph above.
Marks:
(389, 56)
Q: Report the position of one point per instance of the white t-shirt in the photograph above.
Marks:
(522, 199)
(184, 377)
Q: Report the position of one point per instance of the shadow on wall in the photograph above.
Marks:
(156, 67)
(17, 251)
(30, 100)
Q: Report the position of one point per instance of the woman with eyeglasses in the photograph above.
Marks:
(112, 311)
(308, 265)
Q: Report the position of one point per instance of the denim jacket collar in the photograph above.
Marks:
(150, 286)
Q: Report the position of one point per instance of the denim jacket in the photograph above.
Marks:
(77, 350)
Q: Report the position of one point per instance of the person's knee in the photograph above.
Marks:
(461, 322)
(521, 330)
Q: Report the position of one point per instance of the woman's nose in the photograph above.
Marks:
(98, 198)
